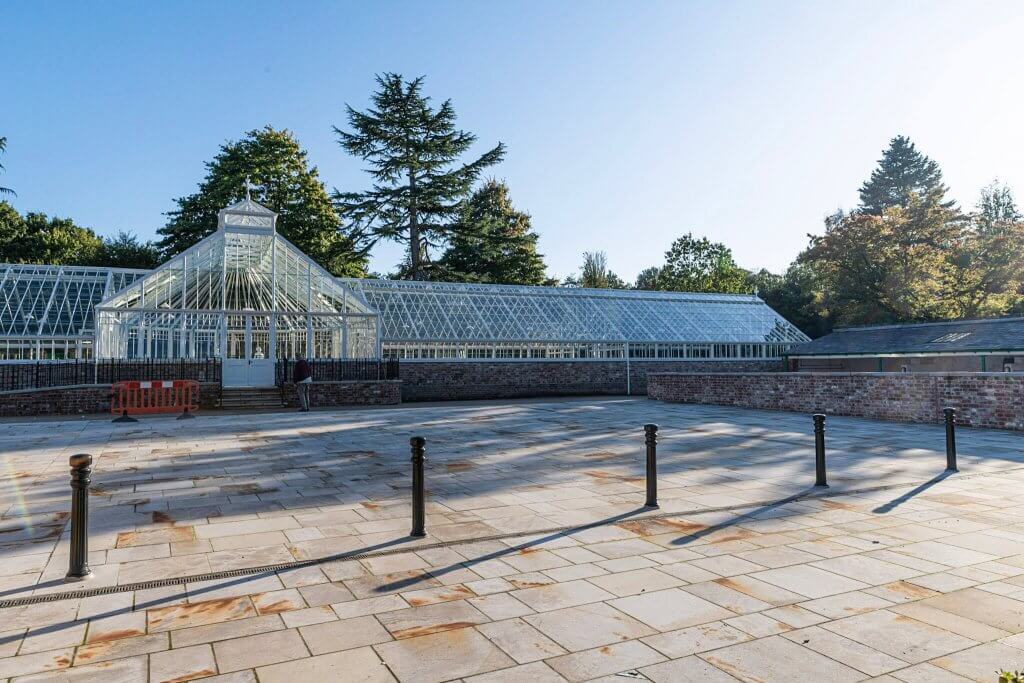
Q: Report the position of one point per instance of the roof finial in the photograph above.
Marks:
(248, 186)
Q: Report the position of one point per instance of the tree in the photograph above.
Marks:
(987, 272)
(700, 265)
(13, 233)
(794, 297)
(902, 172)
(37, 238)
(888, 268)
(649, 279)
(493, 242)
(418, 183)
(285, 183)
(996, 206)
(595, 273)
(3, 148)
(126, 251)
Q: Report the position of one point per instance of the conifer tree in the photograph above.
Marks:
(493, 242)
(902, 171)
(285, 183)
(418, 182)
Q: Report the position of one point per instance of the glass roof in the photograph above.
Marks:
(55, 301)
(244, 266)
(439, 311)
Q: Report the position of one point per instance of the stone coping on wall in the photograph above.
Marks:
(843, 373)
(989, 399)
(36, 390)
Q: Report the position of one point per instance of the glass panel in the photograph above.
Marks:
(260, 336)
(236, 336)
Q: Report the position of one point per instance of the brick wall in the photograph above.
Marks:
(81, 399)
(358, 392)
(463, 380)
(993, 400)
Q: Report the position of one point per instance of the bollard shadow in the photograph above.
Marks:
(498, 554)
(896, 502)
(214, 585)
(745, 517)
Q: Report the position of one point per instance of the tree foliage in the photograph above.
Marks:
(285, 183)
(419, 183)
(902, 173)
(37, 238)
(126, 251)
(595, 273)
(793, 295)
(987, 262)
(887, 268)
(908, 254)
(492, 241)
(699, 265)
(649, 279)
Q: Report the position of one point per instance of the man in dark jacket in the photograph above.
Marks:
(302, 375)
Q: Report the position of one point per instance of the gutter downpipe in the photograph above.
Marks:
(628, 388)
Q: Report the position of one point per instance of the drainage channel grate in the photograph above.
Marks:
(359, 555)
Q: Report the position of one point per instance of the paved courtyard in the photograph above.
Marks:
(540, 562)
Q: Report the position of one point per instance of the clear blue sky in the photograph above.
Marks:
(627, 124)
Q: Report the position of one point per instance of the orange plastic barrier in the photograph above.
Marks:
(143, 398)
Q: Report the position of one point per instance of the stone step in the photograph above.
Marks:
(242, 398)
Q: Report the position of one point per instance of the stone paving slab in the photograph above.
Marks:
(923, 581)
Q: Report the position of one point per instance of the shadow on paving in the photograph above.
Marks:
(498, 554)
(896, 502)
(220, 585)
(296, 463)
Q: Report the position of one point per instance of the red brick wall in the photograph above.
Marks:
(463, 380)
(382, 392)
(994, 400)
(82, 399)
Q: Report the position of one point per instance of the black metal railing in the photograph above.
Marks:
(340, 370)
(113, 370)
(43, 374)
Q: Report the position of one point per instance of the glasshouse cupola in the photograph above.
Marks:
(244, 294)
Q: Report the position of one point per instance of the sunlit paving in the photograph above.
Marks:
(280, 546)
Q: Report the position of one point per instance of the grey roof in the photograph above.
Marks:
(957, 336)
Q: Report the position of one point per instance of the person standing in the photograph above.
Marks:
(302, 375)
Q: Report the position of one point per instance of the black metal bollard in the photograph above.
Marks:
(418, 498)
(78, 565)
(819, 450)
(950, 439)
(651, 438)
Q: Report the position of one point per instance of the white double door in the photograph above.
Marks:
(249, 356)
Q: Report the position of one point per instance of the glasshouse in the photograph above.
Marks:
(443, 320)
(248, 296)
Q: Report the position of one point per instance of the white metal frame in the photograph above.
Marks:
(242, 272)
